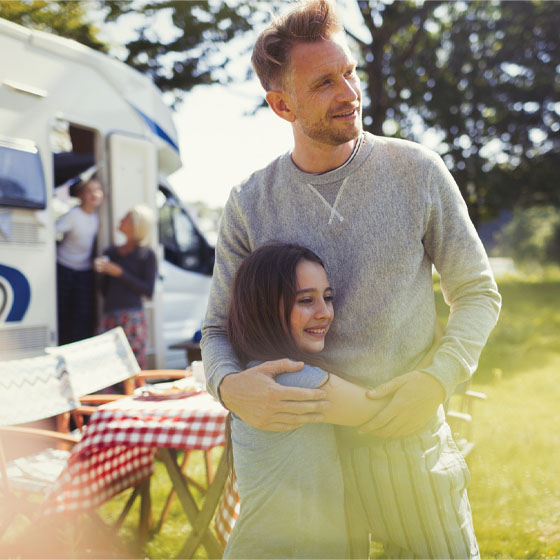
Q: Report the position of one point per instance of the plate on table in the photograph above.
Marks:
(169, 390)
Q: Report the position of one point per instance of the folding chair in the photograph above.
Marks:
(102, 361)
(99, 362)
(105, 360)
(460, 414)
(31, 389)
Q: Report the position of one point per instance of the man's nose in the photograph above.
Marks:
(349, 91)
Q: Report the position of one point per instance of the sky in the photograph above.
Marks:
(220, 144)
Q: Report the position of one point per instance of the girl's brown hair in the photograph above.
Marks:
(262, 295)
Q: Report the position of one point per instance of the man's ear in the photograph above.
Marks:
(280, 104)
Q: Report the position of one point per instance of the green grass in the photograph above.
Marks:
(515, 466)
(167, 542)
(527, 331)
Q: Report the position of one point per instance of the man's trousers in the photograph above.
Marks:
(408, 493)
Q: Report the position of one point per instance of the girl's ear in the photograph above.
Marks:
(280, 104)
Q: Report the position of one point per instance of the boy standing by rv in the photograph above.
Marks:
(74, 268)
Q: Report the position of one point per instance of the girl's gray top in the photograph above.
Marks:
(291, 488)
(379, 223)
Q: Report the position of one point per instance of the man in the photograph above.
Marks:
(379, 212)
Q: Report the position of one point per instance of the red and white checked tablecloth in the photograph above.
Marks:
(118, 446)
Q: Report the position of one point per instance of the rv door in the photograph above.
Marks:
(133, 179)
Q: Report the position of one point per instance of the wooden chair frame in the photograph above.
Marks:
(460, 419)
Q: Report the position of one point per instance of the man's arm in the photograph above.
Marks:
(261, 402)
(350, 404)
(252, 394)
(468, 287)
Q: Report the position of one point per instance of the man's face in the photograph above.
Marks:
(92, 194)
(324, 91)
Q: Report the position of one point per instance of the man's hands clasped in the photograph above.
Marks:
(416, 397)
(255, 397)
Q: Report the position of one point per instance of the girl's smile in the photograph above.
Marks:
(313, 312)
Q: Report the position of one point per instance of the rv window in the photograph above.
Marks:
(166, 234)
(176, 230)
(187, 239)
(22, 183)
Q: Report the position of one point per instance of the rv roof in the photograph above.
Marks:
(138, 90)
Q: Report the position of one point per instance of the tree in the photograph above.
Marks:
(532, 236)
(479, 80)
(454, 69)
(67, 19)
(194, 53)
(483, 78)
(188, 52)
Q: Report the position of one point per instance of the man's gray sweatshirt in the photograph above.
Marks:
(379, 223)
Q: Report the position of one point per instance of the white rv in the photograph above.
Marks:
(63, 109)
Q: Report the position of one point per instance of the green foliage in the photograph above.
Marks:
(532, 236)
(194, 53)
(67, 19)
(483, 77)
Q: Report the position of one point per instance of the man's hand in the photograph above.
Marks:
(262, 403)
(416, 397)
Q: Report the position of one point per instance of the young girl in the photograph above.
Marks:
(290, 483)
(129, 273)
(74, 270)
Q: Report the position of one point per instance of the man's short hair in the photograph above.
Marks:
(77, 186)
(309, 21)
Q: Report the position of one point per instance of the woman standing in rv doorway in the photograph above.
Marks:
(128, 275)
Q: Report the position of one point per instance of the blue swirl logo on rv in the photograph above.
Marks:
(15, 294)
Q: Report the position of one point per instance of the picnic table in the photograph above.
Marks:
(117, 452)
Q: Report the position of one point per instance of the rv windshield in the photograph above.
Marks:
(22, 183)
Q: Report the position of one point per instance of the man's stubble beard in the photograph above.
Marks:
(332, 137)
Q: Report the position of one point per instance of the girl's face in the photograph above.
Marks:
(313, 311)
